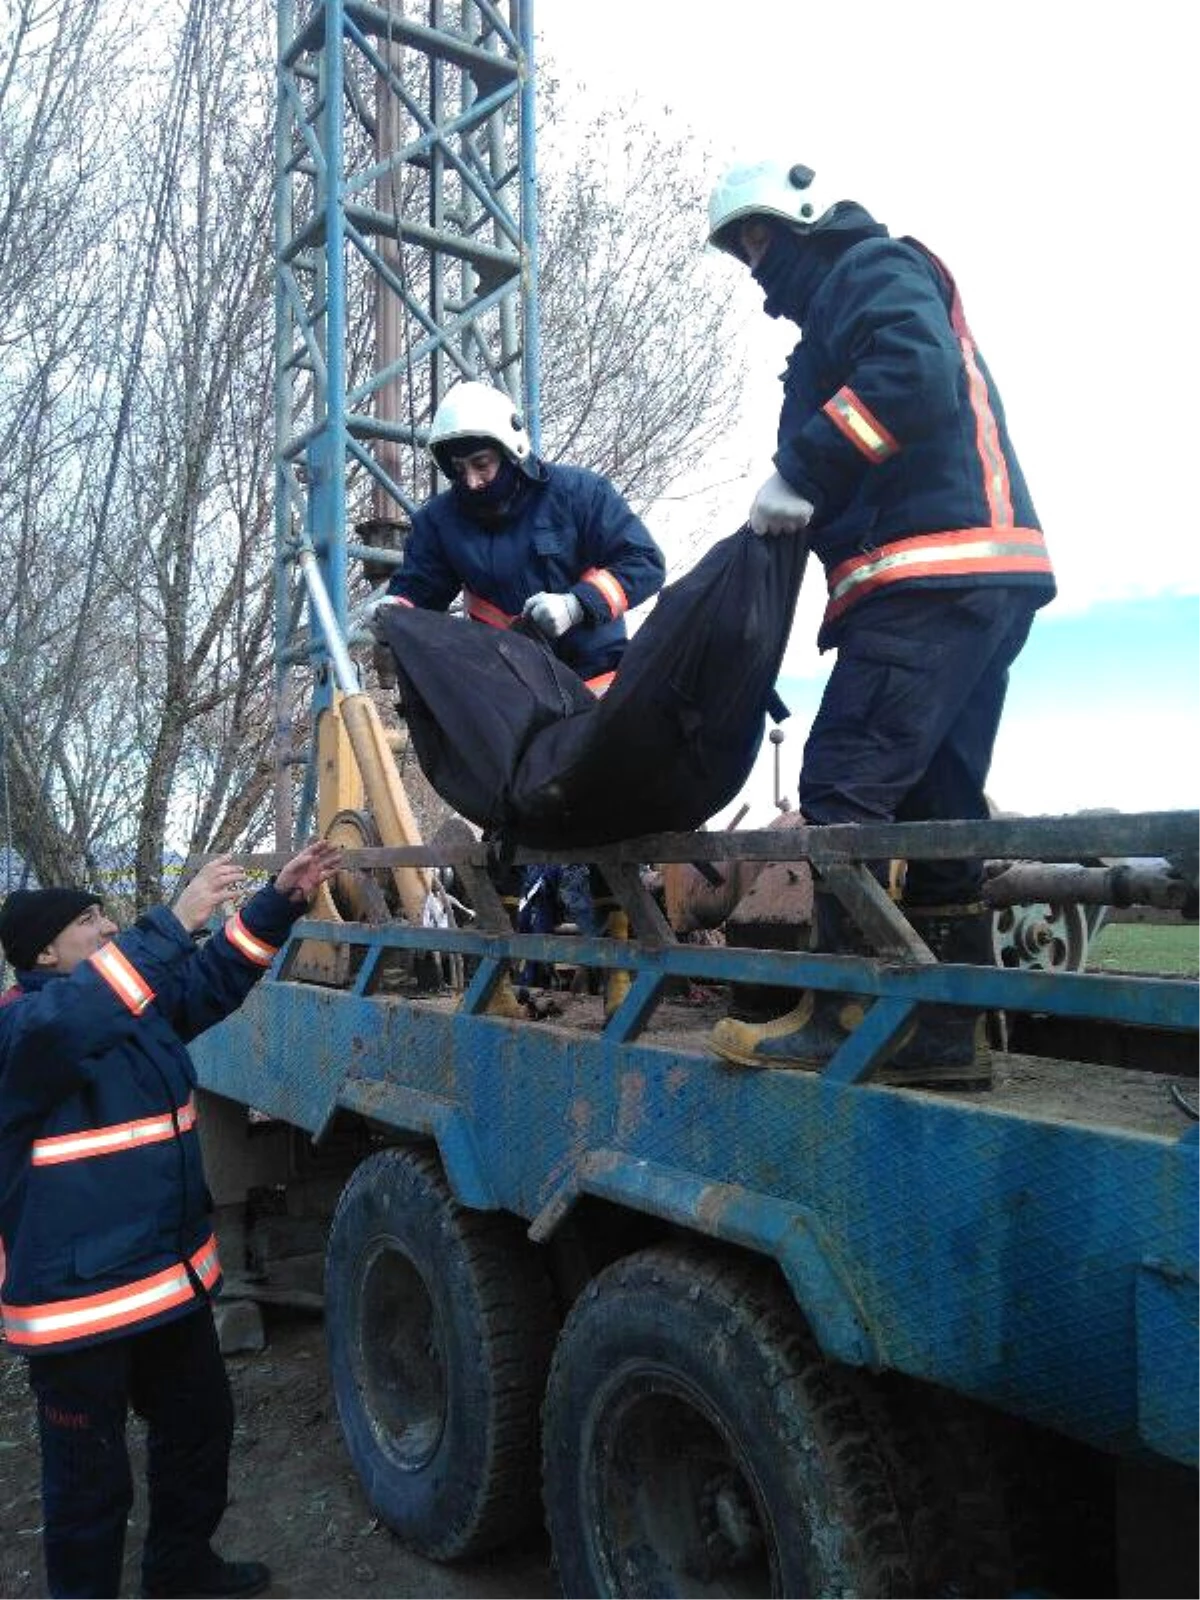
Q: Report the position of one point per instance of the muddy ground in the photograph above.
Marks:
(295, 1502)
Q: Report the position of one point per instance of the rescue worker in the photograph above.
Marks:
(519, 537)
(894, 461)
(523, 539)
(107, 1256)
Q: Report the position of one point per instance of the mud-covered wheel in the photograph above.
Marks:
(440, 1323)
(695, 1442)
(948, 1480)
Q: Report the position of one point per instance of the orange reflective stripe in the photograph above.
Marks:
(107, 1141)
(482, 610)
(249, 944)
(600, 684)
(863, 429)
(615, 597)
(60, 1320)
(122, 977)
(965, 552)
(996, 484)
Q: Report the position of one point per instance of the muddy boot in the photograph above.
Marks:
(949, 1049)
(807, 1036)
(616, 984)
(810, 1033)
(216, 1577)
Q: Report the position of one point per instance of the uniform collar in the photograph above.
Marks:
(795, 267)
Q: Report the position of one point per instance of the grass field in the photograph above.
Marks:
(1168, 949)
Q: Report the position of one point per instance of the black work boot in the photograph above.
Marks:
(810, 1034)
(213, 1577)
(949, 1049)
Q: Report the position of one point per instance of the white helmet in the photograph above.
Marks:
(478, 411)
(784, 189)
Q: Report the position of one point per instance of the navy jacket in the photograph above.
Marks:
(571, 532)
(105, 1224)
(892, 427)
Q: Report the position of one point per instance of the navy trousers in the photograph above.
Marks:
(908, 719)
(174, 1378)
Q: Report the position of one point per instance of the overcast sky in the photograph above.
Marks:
(1046, 152)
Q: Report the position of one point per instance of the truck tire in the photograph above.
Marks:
(440, 1323)
(949, 1484)
(695, 1442)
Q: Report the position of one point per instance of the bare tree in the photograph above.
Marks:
(640, 372)
(136, 400)
(58, 201)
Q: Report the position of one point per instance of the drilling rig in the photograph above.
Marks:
(723, 1331)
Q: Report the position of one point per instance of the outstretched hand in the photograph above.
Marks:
(303, 875)
(215, 883)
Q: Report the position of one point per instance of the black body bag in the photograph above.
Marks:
(514, 741)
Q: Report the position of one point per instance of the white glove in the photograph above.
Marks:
(778, 508)
(554, 614)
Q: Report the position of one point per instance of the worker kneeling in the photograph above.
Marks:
(552, 548)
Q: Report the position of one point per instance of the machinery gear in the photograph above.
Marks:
(787, 190)
(479, 411)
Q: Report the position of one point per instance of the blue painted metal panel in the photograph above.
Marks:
(1168, 1374)
(999, 1254)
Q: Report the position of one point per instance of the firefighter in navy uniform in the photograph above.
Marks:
(521, 538)
(107, 1254)
(894, 462)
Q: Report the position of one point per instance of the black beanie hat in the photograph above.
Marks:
(32, 917)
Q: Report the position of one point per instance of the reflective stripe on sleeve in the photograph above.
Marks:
(58, 1321)
(863, 429)
(481, 610)
(249, 944)
(600, 684)
(615, 597)
(116, 1137)
(122, 977)
(965, 552)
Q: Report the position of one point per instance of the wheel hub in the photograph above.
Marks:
(732, 1535)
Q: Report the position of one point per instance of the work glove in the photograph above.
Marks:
(778, 508)
(553, 614)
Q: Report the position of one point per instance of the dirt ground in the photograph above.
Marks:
(295, 1502)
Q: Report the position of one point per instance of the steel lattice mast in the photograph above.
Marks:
(405, 250)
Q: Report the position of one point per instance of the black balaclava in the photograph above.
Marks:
(795, 264)
(496, 500)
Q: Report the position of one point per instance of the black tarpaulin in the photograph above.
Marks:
(515, 742)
